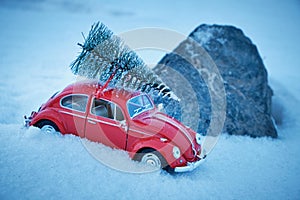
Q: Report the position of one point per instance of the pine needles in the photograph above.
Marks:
(104, 54)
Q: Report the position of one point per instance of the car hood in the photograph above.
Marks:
(168, 128)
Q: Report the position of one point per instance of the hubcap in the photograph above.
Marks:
(152, 160)
(48, 129)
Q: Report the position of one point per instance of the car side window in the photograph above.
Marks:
(75, 102)
(119, 114)
(107, 109)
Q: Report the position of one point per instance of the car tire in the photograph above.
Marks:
(153, 158)
(48, 126)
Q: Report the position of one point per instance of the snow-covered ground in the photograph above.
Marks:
(38, 42)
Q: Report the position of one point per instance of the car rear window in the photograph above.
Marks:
(76, 102)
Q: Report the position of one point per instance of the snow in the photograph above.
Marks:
(38, 42)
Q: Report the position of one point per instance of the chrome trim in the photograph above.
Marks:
(190, 166)
(137, 131)
(26, 121)
(74, 95)
(163, 139)
(91, 122)
(104, 122)
(142, 94)
(73, 114)
(115, 108)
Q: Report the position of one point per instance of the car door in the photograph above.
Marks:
(106, 124)
(73, 112)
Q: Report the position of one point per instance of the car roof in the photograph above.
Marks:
(92, 86)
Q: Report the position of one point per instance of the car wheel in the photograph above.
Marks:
(48, 127)
(153, 158)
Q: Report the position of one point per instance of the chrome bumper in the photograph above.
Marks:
(190, 166)
(27, 121)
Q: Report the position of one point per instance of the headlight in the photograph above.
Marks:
(176, 152)
(198, 138)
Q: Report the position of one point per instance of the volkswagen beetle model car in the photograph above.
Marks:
(121, 119)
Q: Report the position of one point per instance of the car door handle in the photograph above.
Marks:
(91, 122)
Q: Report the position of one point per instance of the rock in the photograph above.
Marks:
(245, 79)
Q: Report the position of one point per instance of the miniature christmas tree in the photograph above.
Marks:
(105, 55)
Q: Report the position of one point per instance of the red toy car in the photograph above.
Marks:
(121, 119)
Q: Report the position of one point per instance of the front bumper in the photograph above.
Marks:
(27, 120)
(190, 166)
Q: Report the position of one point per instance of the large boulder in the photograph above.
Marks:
(245, 79)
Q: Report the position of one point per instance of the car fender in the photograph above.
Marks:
(163, 147)
(51, 115)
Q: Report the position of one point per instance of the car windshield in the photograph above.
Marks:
(138, 105)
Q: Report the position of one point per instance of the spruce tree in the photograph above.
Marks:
(104, 54)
